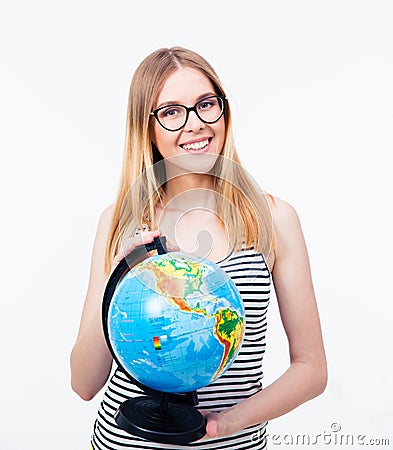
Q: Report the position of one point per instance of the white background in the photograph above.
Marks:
(310, 83)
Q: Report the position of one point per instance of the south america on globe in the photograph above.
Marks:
(176, 322)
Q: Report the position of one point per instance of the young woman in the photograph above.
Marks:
(182, 178)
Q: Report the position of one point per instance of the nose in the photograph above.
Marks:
(194, 122)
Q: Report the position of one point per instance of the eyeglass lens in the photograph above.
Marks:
(175, 116)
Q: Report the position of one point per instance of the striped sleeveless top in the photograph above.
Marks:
(250, 273)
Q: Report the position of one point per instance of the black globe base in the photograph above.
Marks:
(156, 419)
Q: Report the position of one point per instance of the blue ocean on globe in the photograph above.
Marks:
(176, 322)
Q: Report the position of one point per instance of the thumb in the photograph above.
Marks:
(212, 427)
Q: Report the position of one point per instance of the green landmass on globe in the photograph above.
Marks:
(176, 322)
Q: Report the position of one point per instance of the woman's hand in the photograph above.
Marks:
(146, 237)
(219, 424)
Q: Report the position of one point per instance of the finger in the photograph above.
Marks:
(149, 237)
(150, 234)
(146, 237)
(212, 427)
(211, 424)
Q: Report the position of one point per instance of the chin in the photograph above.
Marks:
(188, 163)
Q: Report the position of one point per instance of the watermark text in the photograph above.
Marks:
(333, 436)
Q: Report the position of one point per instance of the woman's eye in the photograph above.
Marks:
(170, 112)
(206, 104)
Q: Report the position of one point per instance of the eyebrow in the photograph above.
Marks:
(178, 102)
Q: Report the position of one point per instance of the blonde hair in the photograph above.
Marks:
(245, 211)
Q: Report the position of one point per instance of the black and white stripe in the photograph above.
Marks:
(250, 273)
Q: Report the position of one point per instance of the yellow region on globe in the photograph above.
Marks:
(176, 280)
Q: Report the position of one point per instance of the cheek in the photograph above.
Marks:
(155, 133)
(165, 140)
(159, 139)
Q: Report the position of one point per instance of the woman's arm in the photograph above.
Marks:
(91, 360)
(307, 375)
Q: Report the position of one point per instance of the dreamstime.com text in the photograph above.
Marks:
(332, 437)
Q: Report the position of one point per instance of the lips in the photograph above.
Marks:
(197, 146)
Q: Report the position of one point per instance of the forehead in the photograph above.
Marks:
(185, 85)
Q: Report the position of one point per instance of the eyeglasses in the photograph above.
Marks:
(174, 117)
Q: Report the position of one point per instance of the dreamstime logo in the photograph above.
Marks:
(334, 436)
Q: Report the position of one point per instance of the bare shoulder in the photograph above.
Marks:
(107, 214)
(98, 276)
(283, 213)
(105, 222)
(286, 228)
(99, 248)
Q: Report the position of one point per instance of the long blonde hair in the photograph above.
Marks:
(244, 211)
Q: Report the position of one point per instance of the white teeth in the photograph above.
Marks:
(196, 145)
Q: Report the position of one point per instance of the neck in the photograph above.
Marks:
(190, 191)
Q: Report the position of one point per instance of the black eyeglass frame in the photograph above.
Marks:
(188, 110)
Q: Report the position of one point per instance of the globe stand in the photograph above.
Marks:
(164, 418)
(158, 416)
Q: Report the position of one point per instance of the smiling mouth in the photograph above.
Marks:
(197, 146)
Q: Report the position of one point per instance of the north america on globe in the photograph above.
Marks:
(176, 322)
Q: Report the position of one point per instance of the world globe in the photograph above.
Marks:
(175, 322)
